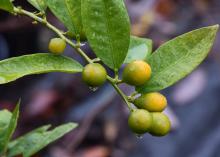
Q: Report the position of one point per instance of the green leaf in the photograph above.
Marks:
(67, 11)
(38, 4)
(5, 117)
(10, 129)
(39, 130)
(6, 5)
(178, 57)
(75, 8)
(139, 49)
(16, 67)
(107, 28)
(33, 142)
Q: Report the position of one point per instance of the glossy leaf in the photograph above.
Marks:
(65, 11)
(16, 67)
(38, 4)
(178, 57)
(33, 142)
(139, 49)
(106, 24)
(6, 5)
(10, 129)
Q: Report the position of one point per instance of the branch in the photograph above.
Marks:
(54, 29)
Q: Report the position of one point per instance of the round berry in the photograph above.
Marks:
(57, 45)
(94, 74)
(140, 121)
(153, 102)
(136, 73)
(161, 124)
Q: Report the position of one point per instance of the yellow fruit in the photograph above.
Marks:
(160, 125)
(57, 45)
(140, 121)
(94, 74)
(136, 73)
(153, 102)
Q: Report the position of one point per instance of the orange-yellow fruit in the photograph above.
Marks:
(57, 45)
(136, 73)
(161, 124)
(153, 102)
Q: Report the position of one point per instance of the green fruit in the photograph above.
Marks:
(161, 124)
(140, 121)
(57, 45)
(136, 73)
(153, 102)
(94, 74)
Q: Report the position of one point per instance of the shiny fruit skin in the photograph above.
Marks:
(140, 121)
(153, 102)
(94, 74)
(57, 46)
(136, 73)
(161, 124)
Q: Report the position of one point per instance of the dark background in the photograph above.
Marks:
(194, 103)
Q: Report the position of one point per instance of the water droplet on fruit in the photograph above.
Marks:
(139, 136)
(93, 88)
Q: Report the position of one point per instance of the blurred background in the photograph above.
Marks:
(55, 98)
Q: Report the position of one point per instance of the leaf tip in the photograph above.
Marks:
(215, 27)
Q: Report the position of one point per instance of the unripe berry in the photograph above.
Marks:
(140, 121)
(161, 124)
(94, 74)
(153, 102)
(57, 45)
(136, 73)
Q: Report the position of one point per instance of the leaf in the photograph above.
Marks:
(6, 5)
(10, 129)
(5, 117)
(33, 142)
(75, 8)
(65, 11)
(38, 4)
(39, 130)
(139, 49)
(178, 57)
(16, 67)
(107, 28)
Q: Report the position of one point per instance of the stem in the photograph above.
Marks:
(51, 27)
(120, 92)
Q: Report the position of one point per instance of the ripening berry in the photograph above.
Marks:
(161, 124)
(140, 121)
(153, 102)
(94, 74)
(136, 73)
(57, 46)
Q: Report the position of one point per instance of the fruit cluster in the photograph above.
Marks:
(147, 116)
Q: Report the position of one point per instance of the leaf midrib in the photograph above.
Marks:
(111, 47)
